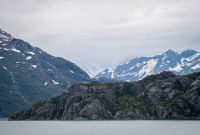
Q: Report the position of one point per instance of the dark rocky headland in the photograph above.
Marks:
(161, 96)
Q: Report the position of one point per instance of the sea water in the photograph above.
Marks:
(134, 127)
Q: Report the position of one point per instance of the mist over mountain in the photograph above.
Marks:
(182, 63)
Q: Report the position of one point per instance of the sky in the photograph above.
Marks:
(97, 34)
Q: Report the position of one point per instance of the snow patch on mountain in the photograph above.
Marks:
(196, 67)
(32, 53)
(5, 68)
(29, 57)
(45, 83)
(111, 70)
(95, 67)
(55, 83)
(71, 71)
(15, 50)
(148, 68)
(177, 68)
(6, 49)
(5, 38)
(138, 68)
(34, 66)
(193, 57)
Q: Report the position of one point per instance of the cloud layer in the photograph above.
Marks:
(93, 32)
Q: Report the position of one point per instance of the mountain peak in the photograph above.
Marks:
(188, 52)
(185, 63)
(27, 71)
(170, 52)
(5, 36)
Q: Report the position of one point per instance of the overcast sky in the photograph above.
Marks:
(99, 33)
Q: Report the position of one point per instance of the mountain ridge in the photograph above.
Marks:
(28, 74)
(160, 96)
(137, 68)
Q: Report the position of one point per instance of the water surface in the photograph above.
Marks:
(135, 127)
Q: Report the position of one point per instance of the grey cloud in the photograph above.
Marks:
(93, 31)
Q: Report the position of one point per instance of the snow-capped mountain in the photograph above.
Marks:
(93, 68)
(28, 74)
(180, 63)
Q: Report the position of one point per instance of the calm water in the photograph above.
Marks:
(99, 127)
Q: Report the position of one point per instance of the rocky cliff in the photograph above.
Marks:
(162, 96)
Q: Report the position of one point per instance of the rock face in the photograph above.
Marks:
(162, 96)
(179, 63)
(28, 74)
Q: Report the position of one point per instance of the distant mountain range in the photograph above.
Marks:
(179, 63)
(28, 74)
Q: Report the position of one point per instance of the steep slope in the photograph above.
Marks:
(162, 96)
(28, 74)
(184, 63)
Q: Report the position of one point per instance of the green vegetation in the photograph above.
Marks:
(169, 102)
(142, 100)
(198, 91)
(95, 83)
(193, 75)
